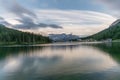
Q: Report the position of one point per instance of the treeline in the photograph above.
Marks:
(11, 36)
(109, 33)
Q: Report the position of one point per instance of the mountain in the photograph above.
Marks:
(63, 37)
(11, 36)
(113, 32)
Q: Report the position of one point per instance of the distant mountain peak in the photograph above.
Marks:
(63, 37)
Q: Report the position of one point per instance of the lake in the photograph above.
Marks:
(61, 61)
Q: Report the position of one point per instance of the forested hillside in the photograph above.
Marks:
(11, 36)
(113, 32)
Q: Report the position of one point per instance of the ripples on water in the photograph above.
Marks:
(73, 61)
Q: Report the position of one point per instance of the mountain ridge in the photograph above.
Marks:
(112, 32)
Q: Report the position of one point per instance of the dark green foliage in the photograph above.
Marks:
(11, 36)
(112, 48)
(109, 33)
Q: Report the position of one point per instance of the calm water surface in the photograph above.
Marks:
(65, 61)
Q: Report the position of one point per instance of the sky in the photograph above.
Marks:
(79, 17)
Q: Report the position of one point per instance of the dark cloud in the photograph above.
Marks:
(2, 21)
(50, 25)
(17, 9)
(28, 23)
(26, 17)
(54, 26)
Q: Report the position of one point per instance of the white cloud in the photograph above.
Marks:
(74, 21)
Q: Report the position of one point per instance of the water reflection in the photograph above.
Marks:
(113, 49)
(56, 62)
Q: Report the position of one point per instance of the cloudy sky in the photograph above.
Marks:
(80, 17)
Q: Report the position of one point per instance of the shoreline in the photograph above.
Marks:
(54, 44)
(50, 44)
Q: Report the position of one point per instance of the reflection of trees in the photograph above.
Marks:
(113, 49)
(5, 51)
